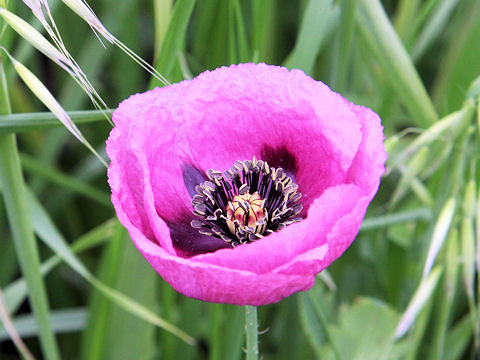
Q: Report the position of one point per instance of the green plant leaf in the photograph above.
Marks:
(365, 331)
(390, 53)
(319, 18)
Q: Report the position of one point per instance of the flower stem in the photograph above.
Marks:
(251, 328)
(14, 195)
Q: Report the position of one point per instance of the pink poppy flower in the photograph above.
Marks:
(241, 185)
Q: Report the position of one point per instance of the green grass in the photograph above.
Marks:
(413, 62)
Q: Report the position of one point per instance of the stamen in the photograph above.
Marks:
(247, 202)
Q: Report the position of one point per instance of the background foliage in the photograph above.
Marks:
(406, 289)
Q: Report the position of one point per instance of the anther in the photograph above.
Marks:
(247, 202)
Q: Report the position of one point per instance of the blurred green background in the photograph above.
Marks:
(413, 62)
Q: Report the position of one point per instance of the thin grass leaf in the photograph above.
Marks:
(174, 37)
(15, 198)
(53, 239)
(409, 174)
(439, 235)
(10, 330)
(459, 337)
(327, 279)
(396, 218)
(468, 257)
(473, 93)
(460, 63)
(162, 10)
(477, 231)
(395, 62)
(235, 326)
(421, 296)
(242, 40)
(454, 123)
(216, 331)
(319, 18)
(468, 237)
(63, 321)
(445, 304)
(311, 325)
(419, 329)
(16, 292)
(326, 334)
(23, 122)
(141, 341)
(186, 72)
(434, 27)
(404, 23)
(262, 29)
(30, 164)
(121, 267)
(232, 48)
(94, 337)
(343, 45)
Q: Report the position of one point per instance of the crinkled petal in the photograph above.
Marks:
(165, 140)
(249, 110)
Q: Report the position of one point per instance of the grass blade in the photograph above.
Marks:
(53, 239)
(11, 330)
(434, 27)
(30, 164)
(162, 12)
(121, 267)
(173, 38)
(263, 14)
(396, 218)
(16, 123)
(439, 234)
(316, 23)
(343, 49)
(16, 292)
(421, 296)
(63, 321)
(396, 63)
(15, 198)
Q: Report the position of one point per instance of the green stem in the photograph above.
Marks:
(14, 195)
(216, 339)
(251, 328)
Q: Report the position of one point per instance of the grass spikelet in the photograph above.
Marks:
(44, 95)
(86, 13)
(36, 39)
(69, 63)
(36, 7)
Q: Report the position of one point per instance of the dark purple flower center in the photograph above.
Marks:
(246, 202)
